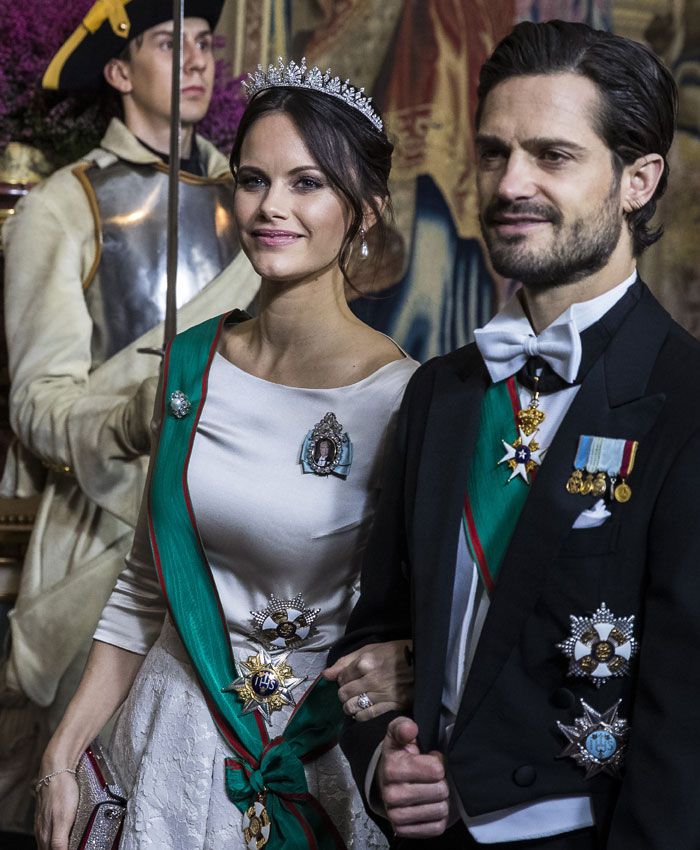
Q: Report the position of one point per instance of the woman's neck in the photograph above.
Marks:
(306, 315)
(305, 335)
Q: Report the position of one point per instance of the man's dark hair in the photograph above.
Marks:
(351, 152)
(638, 95)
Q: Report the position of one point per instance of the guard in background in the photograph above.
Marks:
(85, 290)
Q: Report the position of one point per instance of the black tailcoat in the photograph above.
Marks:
(644, 560)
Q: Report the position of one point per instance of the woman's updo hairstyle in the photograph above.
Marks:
(349, 150)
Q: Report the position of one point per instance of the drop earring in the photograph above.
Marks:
(364, 247)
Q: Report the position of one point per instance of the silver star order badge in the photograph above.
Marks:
(285, 623)
(597, 740)
(266, 685)
(522, 456)
(600, 647)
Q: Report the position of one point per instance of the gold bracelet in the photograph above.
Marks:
(49, 776)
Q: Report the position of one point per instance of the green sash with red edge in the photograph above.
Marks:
(492, 504)
(259, 766)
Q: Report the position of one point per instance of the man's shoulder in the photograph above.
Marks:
(682, 342)
(59, 182)
(674, 371)
(678, 365)
(459, 362)
(216, 164)
(59, 198)
(680, 351)
(444, 371)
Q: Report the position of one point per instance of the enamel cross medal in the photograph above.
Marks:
(524, 454)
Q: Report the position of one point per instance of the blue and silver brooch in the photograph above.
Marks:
(327, 450)
(597, 740)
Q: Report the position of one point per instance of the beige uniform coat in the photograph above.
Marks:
(69, 413)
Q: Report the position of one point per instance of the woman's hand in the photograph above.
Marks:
(56, 807)
(108, 675)
(382, 671)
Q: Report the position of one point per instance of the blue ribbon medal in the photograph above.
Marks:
(606, 461)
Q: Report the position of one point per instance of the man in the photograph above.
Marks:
(537, 535)
(85, 290)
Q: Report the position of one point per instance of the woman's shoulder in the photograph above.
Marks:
(209, 328)
(379, 349)
(388, 382)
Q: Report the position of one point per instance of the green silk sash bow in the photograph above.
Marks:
(492, 504)
(260, 766)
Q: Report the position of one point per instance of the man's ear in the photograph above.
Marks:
(640, 180)
(116, 72)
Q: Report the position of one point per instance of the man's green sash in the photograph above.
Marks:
(260, 766)
(492, 504)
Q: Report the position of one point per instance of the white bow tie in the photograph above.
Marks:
(505, 351)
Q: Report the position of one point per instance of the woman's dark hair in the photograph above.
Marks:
(638, 95)
(349, 150)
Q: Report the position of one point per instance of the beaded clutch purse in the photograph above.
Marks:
(101, 803)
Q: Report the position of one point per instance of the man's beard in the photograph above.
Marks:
(577, 250)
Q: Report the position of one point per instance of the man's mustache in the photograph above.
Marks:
(499, 209)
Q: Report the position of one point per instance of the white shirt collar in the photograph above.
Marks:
(583, 314)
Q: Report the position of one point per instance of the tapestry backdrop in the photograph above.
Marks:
(420, 60)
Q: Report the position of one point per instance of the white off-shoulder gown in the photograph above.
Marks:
(267, 528)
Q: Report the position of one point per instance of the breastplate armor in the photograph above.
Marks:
(127, 295)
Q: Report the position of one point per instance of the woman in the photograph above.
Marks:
(256, 544)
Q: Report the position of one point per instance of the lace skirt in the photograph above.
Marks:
(170, 758)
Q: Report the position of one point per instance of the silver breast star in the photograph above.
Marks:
(600, 647)
(597, 740)
(266, 684)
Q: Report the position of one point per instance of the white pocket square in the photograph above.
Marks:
(592, 517)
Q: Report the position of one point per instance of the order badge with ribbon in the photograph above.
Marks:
(524, 454)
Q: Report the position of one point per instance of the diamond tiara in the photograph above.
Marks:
(300, 77)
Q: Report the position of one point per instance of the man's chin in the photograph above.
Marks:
(192, 116)
(529, 273)
(511, 264)
(497, 240)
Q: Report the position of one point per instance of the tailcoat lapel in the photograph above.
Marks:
(450, 436)
(611, 403)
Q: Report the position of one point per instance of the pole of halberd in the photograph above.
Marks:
(170, 328)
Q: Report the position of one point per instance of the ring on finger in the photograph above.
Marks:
(363, 701)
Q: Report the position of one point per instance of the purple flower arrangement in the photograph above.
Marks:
(30, 33)
(64, 127)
